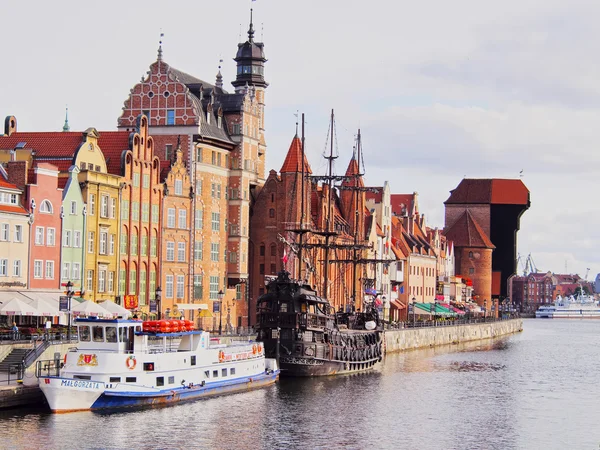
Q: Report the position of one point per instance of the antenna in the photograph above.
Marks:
(296, 114)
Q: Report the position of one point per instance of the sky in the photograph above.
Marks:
(440, 90)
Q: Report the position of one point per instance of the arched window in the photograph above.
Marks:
(273, 250)
(46, 207)
(262, 250)
(470, 254)
(271, 213)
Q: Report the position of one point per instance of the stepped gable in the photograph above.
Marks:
(292, 163)
(466, 232)
(494, 191)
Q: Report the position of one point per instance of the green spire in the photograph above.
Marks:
(66, 125)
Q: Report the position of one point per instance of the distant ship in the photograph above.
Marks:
(579, 307)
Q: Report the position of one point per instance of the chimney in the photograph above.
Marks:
(17, 173)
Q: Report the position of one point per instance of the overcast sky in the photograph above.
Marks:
(441, 90)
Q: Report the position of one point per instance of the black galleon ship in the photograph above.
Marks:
(311, 340)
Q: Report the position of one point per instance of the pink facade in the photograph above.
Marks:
(43, 200)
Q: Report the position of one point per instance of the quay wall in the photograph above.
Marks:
(414, 338)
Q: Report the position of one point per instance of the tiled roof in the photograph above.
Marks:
(5, 184)
(188, 79)
(292, 162)
(12, 209)
(466, 232)
(493, 191)
(402, 204)
(375, 196)
(113, 144)
(353, 170)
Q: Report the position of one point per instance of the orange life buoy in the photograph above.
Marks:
(65, 359)
(221, 356)
(260, 349)
(131, 362)
(254, 349)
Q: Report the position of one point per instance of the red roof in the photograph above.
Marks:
(113, 144)
(12, 209)
(490, 191)
(293, 158)
(376, 196)
(402, 204)
(466, 232)
(6, 184)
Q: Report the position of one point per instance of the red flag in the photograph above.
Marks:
(285, 257)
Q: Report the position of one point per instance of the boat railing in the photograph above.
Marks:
(273, 320)
(48, 368)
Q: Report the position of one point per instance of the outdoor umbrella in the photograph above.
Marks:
(17, 307)
(116, 310)
(89, 308)
(43, 307)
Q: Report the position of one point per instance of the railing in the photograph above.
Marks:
(39, 346)
(15, 373)
(48, 368)
(444, 323)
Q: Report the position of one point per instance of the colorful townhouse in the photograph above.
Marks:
(73, 232)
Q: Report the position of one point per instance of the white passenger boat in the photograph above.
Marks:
(582, 306)
(126, 363)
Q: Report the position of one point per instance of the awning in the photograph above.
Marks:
(191, 306)
(458, 311)
(398, 304)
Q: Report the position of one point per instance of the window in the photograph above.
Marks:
(101, 280)
(111, 281)
(136, 180)
(238, 291)
(180, 286)
(214, 251)
(113, 208)
(199, 187)
(181, 251)
(153, 246)
(198, 219)
(122, 281)
(104, 206)
(103, 242)
(198, 279)
(134, 244)
(18, 233)
(271, 213)
(218, 159)
(178, 187)
(75, 271)
(111, 244)
(215, 373)
(92, 204)
(261, 269)
(146, 181)
(198, 250)
(17, 268)
(154, 213)
(67, 238)
(262, 250)
(168, 151)
(66, 271)
(232, 371)
(199, 154)
(471, 270)
(37, 269)
(125, 209)
(91, 239)
(152, 286)
(132, 281)
(273, 250)
(145, 212)
(273, 269)
(182, 218)
(77, 239)
(39, 235)
(169, 290)
(214, 288)
(192, 360)
(219, 190)
(135, 211)
(50, 270)
(123, 243)
(171, 217)
(5, 232)
(144, 246)
(223, 372)
(216, 220)
(170, 117)
(470, 254)
(214, 157)
(46, 207)
(170, 251)
(4, 268)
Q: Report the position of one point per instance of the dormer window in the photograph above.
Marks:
(220, 122)
(208, 118)
(46, 207)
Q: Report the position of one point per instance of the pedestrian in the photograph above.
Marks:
(15, 331)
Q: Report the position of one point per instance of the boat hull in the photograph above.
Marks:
(69, 395)
(312, 367)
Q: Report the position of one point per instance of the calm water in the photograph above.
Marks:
(536, 389)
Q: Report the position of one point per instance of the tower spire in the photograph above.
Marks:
(66, 125)
(219, 82)
(160, 46)
(251, 29)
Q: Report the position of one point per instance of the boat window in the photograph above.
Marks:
(148, 366)
(115, 379)
(130, 379)
(82, 377)
(207, 373)
(98, 334)
(160, 381)
(193, 360)
(111, 334)
(303, 307)
(283, 307)
(232, 371)
(223, 372)
(84, 333)
(138, 329)
(215, 374)
(123, 334)
(171, 380)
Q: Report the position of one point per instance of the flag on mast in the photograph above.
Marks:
(285, 257)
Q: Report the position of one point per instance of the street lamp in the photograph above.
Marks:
(228, 325)
(220, 295)
(69, 296)
(157, 294)
(414, 312)
(484, 310)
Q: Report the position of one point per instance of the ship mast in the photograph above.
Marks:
(328, 219)
(302, 212)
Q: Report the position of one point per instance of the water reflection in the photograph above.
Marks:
(536, 389)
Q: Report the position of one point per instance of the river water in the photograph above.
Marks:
(537, 389)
